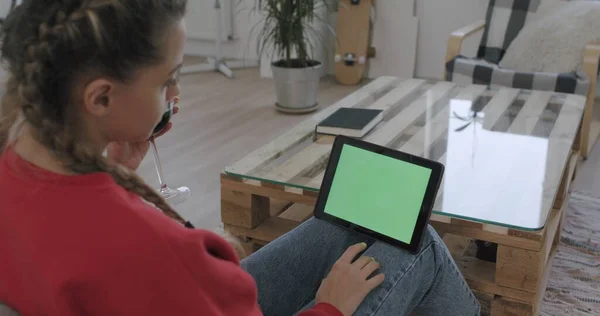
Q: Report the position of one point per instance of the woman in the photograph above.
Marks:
(81, 234)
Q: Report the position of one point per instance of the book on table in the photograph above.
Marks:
(352, 122)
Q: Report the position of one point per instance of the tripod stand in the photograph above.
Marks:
(216, 63)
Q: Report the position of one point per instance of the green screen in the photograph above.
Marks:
(377, 192)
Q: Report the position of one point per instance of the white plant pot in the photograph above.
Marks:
(296, 88)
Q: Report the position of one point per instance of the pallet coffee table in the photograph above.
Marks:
(510, 157)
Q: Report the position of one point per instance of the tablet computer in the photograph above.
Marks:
(379, 192)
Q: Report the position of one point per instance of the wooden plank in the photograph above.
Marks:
(560, 142)
(324, 139)
(477, 233)
(426, 136)
(565, 183)
(469, 93)
(440, 218)
(316, 181)
(272, 228)
(421, 142)
(479, 275)
(544, 282)
(532, 235)
(593, 135)
(521, 268)
(267, 231)
(316, 154)
(558, 204)
(506, 306)
(278, 206)
(523, 123)
(389, 132)
(243, 208)
(306, 160)
(298, 212)
(529, 240)
(393, 98)
(497, 229)
(485, 301)
(254, 187)
(386, 103)
(501, 100)
(304, 130)
(456, 244)
(574, 162)
(529, 115)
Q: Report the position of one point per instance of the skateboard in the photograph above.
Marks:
(352, 40)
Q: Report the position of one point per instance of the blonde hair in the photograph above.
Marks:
(48, 46)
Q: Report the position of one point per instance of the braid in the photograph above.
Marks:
(59, 137)
(49, 45)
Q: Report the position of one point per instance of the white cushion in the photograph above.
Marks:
(555, 42)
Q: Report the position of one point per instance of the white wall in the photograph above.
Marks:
(206, 27)
(201, 40)
(437, 18)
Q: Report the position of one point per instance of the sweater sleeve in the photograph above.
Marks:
(322, 309)
(154, 267)
(158, 283)
(188, 278)
(162, 268)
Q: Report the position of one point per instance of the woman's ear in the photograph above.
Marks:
(97, 97)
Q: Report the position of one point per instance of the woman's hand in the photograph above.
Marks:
(131, 154)
(347, 285)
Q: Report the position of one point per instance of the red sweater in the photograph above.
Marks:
(82, 245)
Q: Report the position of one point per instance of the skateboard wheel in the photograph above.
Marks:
(362, 60)
(337, 58)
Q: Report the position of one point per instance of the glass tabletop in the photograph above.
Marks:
(504, 149)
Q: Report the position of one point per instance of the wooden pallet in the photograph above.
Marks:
(513, 285)
(272, 190)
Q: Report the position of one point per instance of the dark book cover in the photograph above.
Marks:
(350, 118)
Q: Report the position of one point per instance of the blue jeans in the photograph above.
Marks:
(289, 271)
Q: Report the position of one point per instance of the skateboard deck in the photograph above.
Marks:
(352, 40)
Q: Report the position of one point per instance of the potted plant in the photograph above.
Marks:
(287, 34)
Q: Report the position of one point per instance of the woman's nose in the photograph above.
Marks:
(173, 92)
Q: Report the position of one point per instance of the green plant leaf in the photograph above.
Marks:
(462, 127)
(288, 30)
(460, 117)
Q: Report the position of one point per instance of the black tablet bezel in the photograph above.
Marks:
(437, 171)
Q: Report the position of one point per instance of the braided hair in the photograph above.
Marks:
(50, 45)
